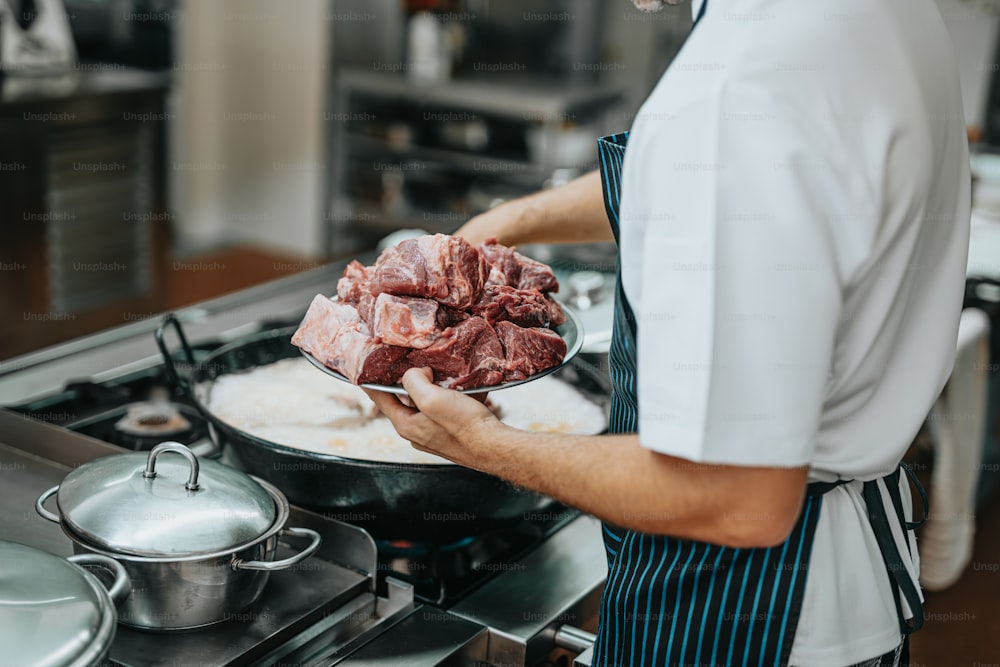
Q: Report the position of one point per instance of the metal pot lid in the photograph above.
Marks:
(52, 612)
(159, 505)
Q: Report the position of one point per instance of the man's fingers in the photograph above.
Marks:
(419, 384)
(389, 405)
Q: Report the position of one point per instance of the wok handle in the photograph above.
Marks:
(181, 383)
(122, 585)
(171, 320)
(40, 505)
(270, 566)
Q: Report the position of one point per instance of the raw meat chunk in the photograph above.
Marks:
(557, 317)
(504, 267)
(335, 334)
(500, 303)
(354, 282)
(444, 268)
(509, 267)
(366, 307)
(466, 356)
(357, 356)
(535, 275)
(449, 317)
(529, 350)
(406, 321)
(319, 327)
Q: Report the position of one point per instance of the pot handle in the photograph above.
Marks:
(168, 360)
(40, 505)
(270, 566)
(177, 448)
(122, 585)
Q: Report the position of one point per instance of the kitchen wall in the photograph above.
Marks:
(247, 155)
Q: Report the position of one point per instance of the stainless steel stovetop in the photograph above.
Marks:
(331, 610)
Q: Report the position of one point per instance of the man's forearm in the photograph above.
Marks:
(572, 213)
(623, 483)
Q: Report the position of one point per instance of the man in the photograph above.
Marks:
(792, 230)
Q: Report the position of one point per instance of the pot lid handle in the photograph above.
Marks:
(177, 448)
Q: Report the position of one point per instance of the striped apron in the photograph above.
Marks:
(671, 601)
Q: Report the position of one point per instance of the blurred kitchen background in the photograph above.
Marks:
(158, 153)
(155, 153)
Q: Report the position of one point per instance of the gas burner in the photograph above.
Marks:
(442, 572)
(148, 423)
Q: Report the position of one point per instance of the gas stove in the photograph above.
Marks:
(511, 596)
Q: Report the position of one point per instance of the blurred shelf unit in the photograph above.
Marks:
(82, 180)
(429, 155)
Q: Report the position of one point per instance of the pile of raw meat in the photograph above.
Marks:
(478, 316)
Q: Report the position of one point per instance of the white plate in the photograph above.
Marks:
(571, 332)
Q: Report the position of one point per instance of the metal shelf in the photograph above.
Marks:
(512, 98)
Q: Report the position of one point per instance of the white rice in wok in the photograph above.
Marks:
(291, 403)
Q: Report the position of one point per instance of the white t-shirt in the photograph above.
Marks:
(795, 219)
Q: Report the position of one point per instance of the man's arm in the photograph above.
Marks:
(572, 213)
(611, 477)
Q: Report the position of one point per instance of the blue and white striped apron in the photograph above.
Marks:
(671, 601)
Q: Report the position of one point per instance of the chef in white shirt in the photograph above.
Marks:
(792, 216)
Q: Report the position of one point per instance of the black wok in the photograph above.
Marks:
(391, 500)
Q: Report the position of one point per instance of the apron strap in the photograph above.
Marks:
(899, 577)
(821, 488)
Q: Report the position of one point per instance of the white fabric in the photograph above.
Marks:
(47, 44)
(795, 211)
(957, 424)
(984, 247)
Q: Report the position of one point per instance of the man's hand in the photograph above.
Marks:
(444, 422)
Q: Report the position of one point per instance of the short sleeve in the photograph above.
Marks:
(729, 250)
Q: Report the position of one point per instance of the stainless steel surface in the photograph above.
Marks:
(272, 566)
(53, 613)
(571, 332)
(428, 636)
(350, 626)
(334, 589)
(291, 606)
(121, 585)
(150, 505)
(42, 457)
(574, 639)
(558, 583)
(174, 592)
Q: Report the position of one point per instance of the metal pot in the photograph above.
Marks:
(412, 501)
(53, 613)
(198, 539)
